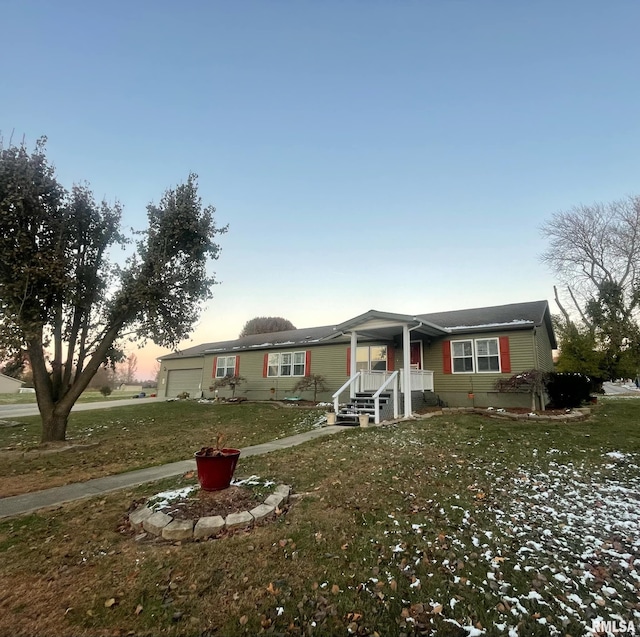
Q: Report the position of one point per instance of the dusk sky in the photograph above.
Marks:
(398, 156)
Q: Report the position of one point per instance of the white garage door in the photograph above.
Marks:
(181, 380)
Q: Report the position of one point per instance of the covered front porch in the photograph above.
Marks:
(372, 368)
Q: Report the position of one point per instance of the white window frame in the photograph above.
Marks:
(361, 348)
(475, 357)
(222, 371)
(286, 364)
(454, 358)
(496, 355)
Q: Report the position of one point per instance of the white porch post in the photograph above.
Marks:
(354, 347)
(406, 364)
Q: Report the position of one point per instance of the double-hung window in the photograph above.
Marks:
(487, 355)
(225, 366)
(479, 355)
(286, 364)
(462, 356)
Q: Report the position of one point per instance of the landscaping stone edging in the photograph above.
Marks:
(575, 415)
(163, 525)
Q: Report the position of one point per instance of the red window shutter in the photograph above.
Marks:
(265, 365)
(307, 363)
(237, 369)
(391, 361)
(348, 361)
(215, 366)
(505, 355)
(446, 357)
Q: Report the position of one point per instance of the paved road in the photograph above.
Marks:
(16, 411)
(612, 389)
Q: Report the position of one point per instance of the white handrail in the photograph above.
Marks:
(376, 397)
(336, 396)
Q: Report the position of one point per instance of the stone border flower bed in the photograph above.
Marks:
(163, 525)
(575, 415)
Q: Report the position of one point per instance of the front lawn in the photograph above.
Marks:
(451, 526)
(135, 437)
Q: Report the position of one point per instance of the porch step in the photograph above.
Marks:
(362, 403)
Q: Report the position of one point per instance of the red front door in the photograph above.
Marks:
(416, 356)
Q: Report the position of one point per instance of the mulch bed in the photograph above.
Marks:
(200, 503)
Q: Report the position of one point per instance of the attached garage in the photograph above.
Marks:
(184, 380)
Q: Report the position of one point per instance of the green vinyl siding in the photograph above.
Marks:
(544, 353)
(521, 354)
(328, 360)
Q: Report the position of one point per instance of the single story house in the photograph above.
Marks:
(453, 358)
(10, 385)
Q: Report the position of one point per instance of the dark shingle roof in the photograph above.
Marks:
(260, 341)
(499, 317)
(512, 316)
(531, 312)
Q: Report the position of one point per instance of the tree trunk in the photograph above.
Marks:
(54, 425)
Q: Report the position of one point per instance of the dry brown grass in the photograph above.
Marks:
(389, 525)
(126, 438)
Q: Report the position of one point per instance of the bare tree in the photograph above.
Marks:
(595, 252)
(592, 246)
(126, 370)
(315, 382)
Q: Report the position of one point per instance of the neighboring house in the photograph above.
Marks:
(129, 388)
(9, 385)
(450, 355)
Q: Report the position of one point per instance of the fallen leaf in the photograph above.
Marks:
(110, 602)
(272, 589)
(243, 620)
(138, 609)
(394, 585)
(335, 589)
(437, 609)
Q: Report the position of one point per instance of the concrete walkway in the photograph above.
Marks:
(29, 502)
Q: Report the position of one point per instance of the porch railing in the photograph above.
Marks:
(393, 378)
(420, 380)
(352, 384)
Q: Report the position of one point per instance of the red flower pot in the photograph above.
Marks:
(215, 471)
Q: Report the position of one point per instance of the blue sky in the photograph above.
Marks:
(393, 155)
